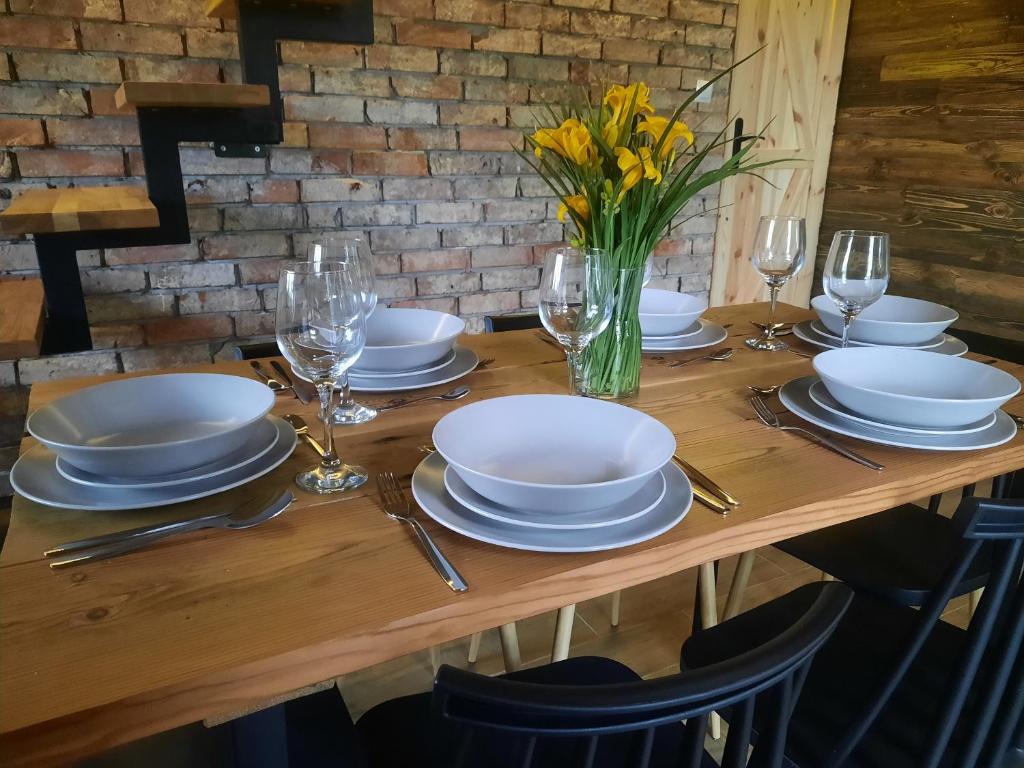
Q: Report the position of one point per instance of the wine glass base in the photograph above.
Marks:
(336, 479)
(354, 414)
(766, 344)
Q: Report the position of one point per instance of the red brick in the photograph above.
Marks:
(324, 54)
(445, 304)
(211, 44)
(15, 132)
(490, 139)
(481, 303)
(102, 101)
(631, 50)
(343, 136)
(170, 330)
(93, 132)
(421, 138)
(536, 17)
(657, 8)
(413, 9)
(473, 114)
(172, 70)
(405, 58)
(502, 256)
(430, 261)
(130, 38)
(274, 191)
(152, 254)
(427, 87)
(696, 10)
(555, 44)
(433, 35)
(601, 25)
(78, 9)
(474, 11)
(71, 162)
(260, 271)
(116, 335)
(33, 32)
(178, 12)
(389, 163)
(69, 67)
(508, 40)
(295, 135)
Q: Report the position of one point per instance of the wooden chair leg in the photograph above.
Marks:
(563, 633)
(474, 647)
(739, 585)
(709, 618)
(972, 601)
(827, 576)
(616, 606)
(510, 647)
(435, 657)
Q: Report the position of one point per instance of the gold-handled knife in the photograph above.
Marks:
(706, 481)
(709, 501)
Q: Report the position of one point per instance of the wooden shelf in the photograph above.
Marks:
(21, 317)
(191, 95)
(228, 9)
(78, 209)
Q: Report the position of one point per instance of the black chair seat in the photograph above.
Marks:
(398, 733)
(519, 322)
(899, 555)
(845, 675)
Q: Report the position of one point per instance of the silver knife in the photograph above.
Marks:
(300, 392)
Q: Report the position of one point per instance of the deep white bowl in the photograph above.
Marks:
(553, 453)
(399, 339)
(897, 320)
(152, 425)
(663, 313)
(913, 387)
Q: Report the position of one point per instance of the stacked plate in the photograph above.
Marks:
(892, 321)
(905, 397)
(410, 349)
(670, 322)
(552, 473)
(151, 441)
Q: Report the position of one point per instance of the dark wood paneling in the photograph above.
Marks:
(929, 146)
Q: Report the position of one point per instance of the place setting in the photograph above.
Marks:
(671, 322)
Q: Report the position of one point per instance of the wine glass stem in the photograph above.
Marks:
(326, 392)
(773, 289)
(847, 319)
(572, 357)
(346, 393)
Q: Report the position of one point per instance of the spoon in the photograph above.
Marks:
(801, 354)
(456, 394)
(302, 430)
(765, 391)
(718, 355)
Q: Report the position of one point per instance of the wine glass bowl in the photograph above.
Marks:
(779, 248)
(856, 273)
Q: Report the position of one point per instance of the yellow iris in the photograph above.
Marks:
(635, 167)
(577, 203)
(618, 99)
(571, 140)
(655, 125)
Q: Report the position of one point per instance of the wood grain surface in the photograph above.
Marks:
(928, 147)
(78, 209)
(21, 317)
(198, 95)
(211, 623)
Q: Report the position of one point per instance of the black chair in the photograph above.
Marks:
(595, 712)
(519, 322)
(256, 350)
(896, 686)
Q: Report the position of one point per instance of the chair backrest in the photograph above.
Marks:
(256, 350)
(962, 731)
(519, 322)
(605, 725)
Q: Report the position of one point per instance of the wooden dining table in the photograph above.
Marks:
(211, 623)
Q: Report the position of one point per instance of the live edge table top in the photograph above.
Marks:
(209, 623)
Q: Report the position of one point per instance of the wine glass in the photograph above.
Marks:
(321, 330)
(355, 254)
(778, 255)
(856, 272)
(577, 290)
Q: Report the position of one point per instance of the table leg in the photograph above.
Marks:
(739, 585)
(709, 618)
(563, 633)
(474, 647)
(510, 646)
(616, 606)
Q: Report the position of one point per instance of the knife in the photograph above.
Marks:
(302, 389)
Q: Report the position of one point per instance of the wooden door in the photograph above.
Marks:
(791, 87)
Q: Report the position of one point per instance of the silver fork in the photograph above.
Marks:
(397, 507)
(769, 418)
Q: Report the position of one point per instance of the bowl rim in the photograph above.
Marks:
(556, 486)
(438, 340)
(672, 314)
(145, 446)
(874, 321)
(917, 398)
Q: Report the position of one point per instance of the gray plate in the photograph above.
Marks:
(693, 330)
(640, 503)
(430, 493)
(464, 362)
(710, 334)
(35, 477)
(795, 395)
(805, 331)
(822, 330)
(363, 374)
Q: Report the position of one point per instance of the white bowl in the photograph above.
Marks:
(913, 387)
(153, 425)
(896, 320)
(553, 453)
(663, 313)
(401, 339)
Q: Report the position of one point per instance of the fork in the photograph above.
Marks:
(397, 507)
(769, 418)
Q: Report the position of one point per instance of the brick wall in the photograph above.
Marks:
(407, 141)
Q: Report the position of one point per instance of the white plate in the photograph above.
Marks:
(710, 334)
(636, 505)
(804, 331)
(795, 396)
(820, 328)
(464, 362)
(430, 493)
(261, 442)
(693, 330)
(35, 477)
(820, 395)
(362, 373)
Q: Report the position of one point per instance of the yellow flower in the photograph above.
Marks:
(636, 167)
(571, 140)
(578, 203)
(655, 125)
(618, 99)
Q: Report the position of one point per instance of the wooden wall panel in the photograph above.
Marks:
(929, 146)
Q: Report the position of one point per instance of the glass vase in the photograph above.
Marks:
(610, 365)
